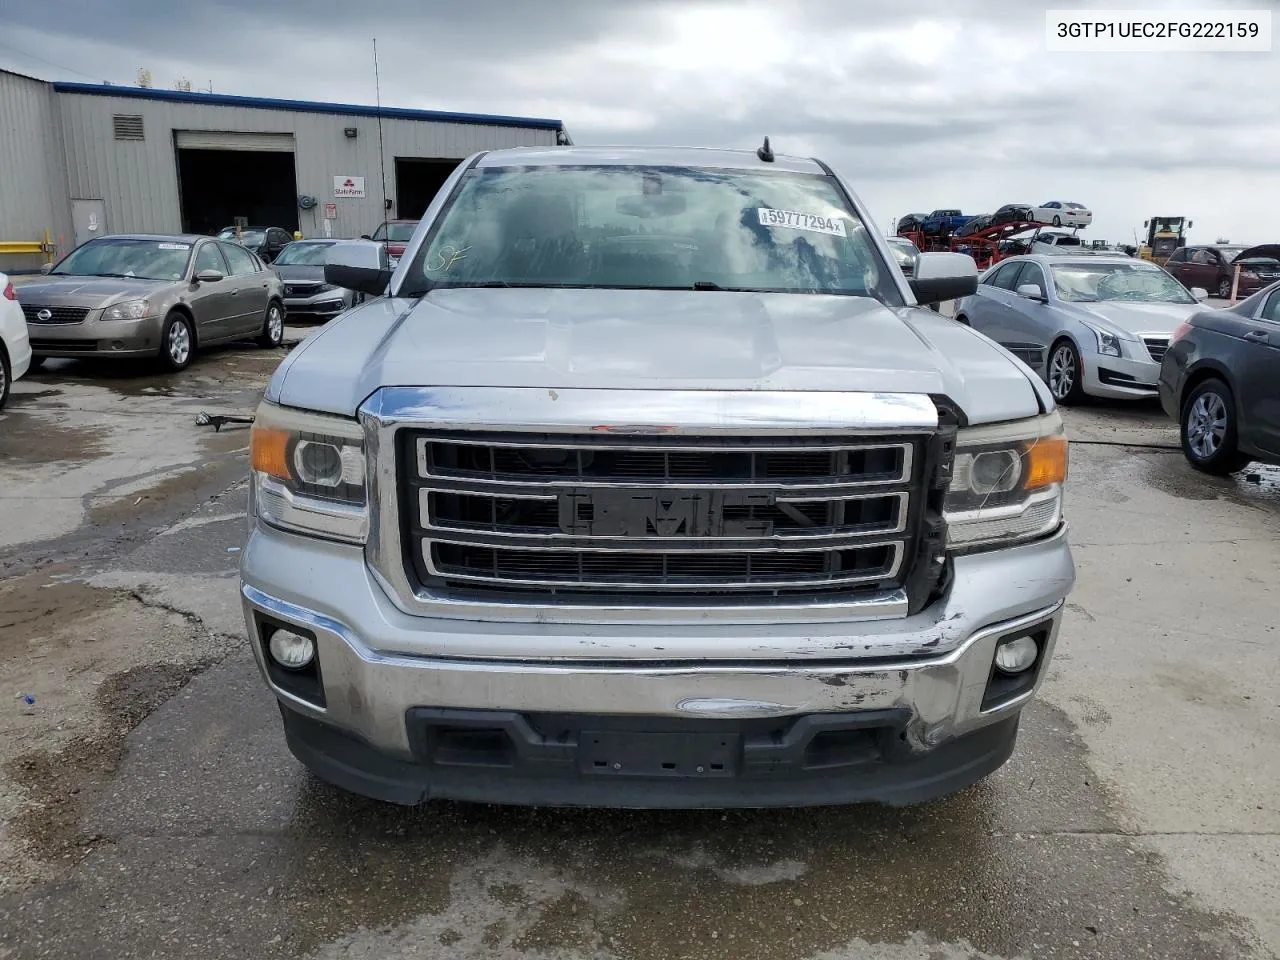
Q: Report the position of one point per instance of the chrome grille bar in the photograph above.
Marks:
(713, 514)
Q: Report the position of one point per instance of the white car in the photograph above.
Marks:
(1061, 213)
(1048, 242)
(1089, 325)
(15, 346)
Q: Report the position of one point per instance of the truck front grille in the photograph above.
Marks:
(654, 515)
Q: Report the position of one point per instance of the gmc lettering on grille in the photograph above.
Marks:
(630, 513)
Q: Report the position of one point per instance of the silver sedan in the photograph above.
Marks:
(1090, 326)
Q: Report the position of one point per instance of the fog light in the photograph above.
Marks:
(1016, 655)
(291, 650)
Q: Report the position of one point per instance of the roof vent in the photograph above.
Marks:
(127, 127)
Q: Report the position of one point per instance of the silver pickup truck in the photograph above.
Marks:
(646, 479)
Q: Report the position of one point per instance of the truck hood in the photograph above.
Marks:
(91, 292)
(656, 340)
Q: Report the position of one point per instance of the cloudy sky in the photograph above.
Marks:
(925, 104)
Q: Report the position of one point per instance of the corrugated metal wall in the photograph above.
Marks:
(138, 180)
(33, 180)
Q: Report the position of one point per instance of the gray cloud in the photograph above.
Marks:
(930, 103)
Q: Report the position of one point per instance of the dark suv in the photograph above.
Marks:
(266, 242)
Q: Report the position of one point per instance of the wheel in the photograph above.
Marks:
(1224, 288)
(178, 342)
(962, 319)
(1065, 373)
(272, 327)
(1057, 221)
(1209, 429)
(6, 378)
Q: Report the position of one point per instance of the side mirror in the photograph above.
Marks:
(365, 236)
(1031, 292)
(210, 276)
(46, 267)
(361, 265)
(943, 276)
(1200, 293)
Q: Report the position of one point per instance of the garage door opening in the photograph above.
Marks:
(221, 181)
(418, 181)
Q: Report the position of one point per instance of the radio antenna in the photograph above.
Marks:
(382, 157)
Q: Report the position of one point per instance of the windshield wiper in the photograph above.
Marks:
(706, 285)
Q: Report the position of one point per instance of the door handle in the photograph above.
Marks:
(235, 293)
(1256, 336)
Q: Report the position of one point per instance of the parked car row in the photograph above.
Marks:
(131, 296)
(1121, 328)
(952, 222)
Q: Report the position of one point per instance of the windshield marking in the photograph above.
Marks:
(795, 220)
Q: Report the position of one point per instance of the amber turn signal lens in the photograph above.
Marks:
(1046, 461)
(269, 451)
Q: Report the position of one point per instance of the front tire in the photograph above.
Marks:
(1208, 430)
(272, 327)
(1057, 221)
(6, 377)
(177, 343)
(1065, 373)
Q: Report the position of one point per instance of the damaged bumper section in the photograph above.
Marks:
(406, 709)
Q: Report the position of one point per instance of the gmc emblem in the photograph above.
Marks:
(641, 513)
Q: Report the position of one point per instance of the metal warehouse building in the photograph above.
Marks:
(81, 160)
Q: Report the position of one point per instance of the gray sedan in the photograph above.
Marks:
(300, 266)
(152, 296)
(1089, 325)
(1218, 380)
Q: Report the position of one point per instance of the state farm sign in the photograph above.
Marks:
(348, 187)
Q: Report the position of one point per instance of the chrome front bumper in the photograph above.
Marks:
(378, 662)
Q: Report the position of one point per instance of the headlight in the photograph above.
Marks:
(1108, 343)
(309, 473)
(1006, 485)
(129, 310)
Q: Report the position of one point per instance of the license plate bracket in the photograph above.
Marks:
(654, 754)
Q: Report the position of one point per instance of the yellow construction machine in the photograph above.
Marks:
(1164, 235)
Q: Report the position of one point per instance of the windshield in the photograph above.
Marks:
(903, 250)
(652, 228)
(307, 254)
(395, 232)
(1135, 282)
(1230, 253)
(123, 257)
(248, 237)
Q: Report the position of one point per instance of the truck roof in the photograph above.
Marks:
(646, 156)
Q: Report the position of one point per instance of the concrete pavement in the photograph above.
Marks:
(149, 807)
